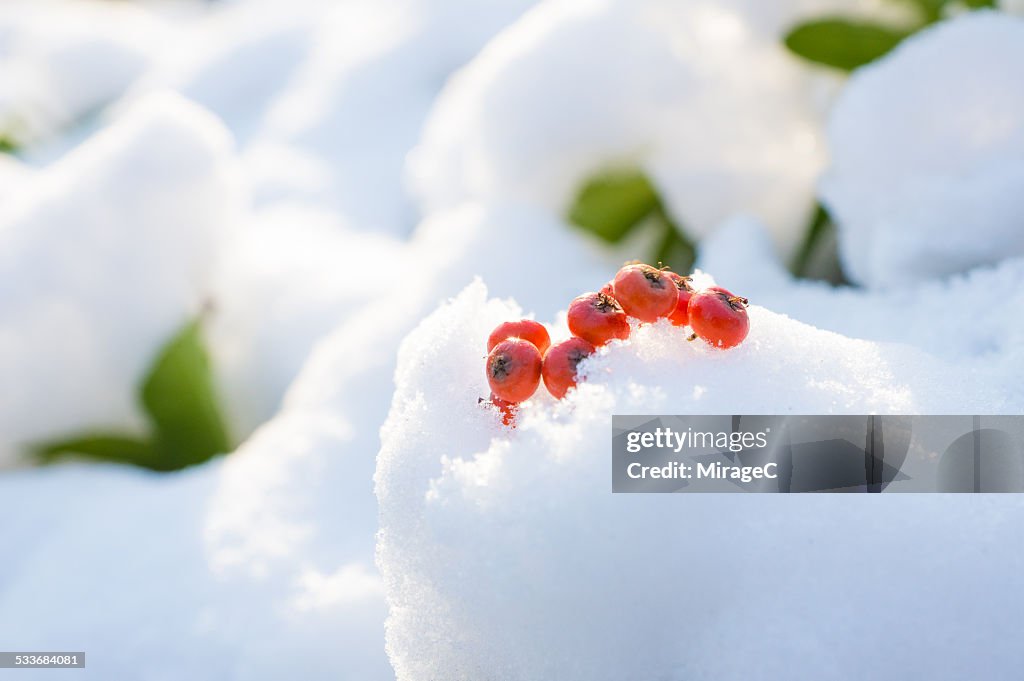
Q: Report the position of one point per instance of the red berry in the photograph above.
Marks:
(508, 410)
(680, 316)
(719, 317)
(607, 289)
(527, 329)
(513, 369)
(559, 370)
(598, 318)
(645, 292)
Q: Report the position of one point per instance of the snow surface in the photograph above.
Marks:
(967, 316)
(275, 191)
(719, 115)
(103, 257)
(355, 107)
(249, 567)
(1012, 6)
(323, 137)
(61, 61)
(327, 98)
(274, 559)
(927, 148)
(505, 557)
(261, 564)
(13, 176)
(290, 276)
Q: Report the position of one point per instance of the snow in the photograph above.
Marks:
(504, 556)
(173, 588)
(53, 71)
(261, 563)
(273, 564)
(1012, 6)
(337, 91)
(927, 150)
(13, 176)
(720, 116)
(963, 316)
(240, 57)
(323, 136)
(313, 178)
(357, 104)
(290, 276)
(103, 257)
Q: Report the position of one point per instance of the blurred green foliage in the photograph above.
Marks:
(186, 423)
(612, 204)
(819, 225)
(615, 204)
(841, 43)
(180, 399)
(817, 257)
(113, 448)
(848, 44)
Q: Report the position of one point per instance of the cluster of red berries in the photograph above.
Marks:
(521, 354)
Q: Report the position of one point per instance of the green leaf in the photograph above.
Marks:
(7, 145)
(612, 204)
(932, 10)
(179, 396)
(100, 447)
(817, 228)
(674, 250)
(935, 10)
(842, 43)
(615, 203)
(818, 255)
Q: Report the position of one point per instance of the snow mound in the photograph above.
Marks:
(521, 250)
(227, 46)
(53, 72)
(966, 316)
(13, 176)
(927, 151)
(293, 275)
(254, 566)
(287, 278)
(103, 256)
(1012, 6)
(505, 556)
(713, 110)
(355, 104)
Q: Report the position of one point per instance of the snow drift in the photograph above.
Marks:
(103, 257)
(927, 150)
(506, 557)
